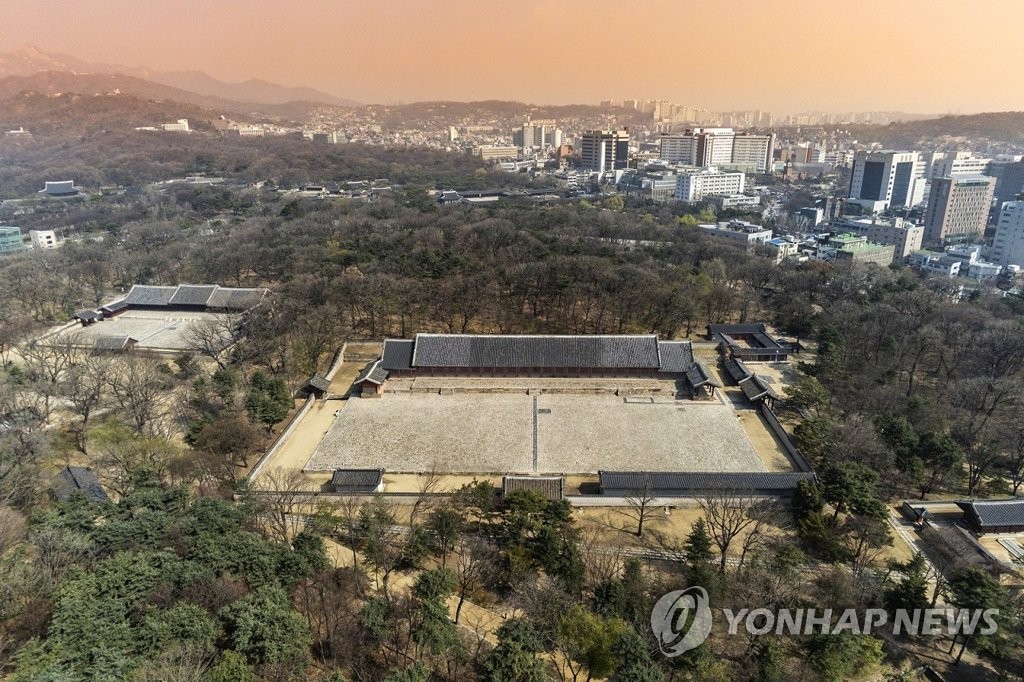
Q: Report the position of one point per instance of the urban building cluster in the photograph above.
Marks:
(954, 210)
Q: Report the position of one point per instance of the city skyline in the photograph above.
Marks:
(809, 56)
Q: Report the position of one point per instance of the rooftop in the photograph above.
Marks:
(374, 373)
(208, 295)
(73, 480)
(739, 482)
(357, 478)
(551, 487)
(469, 350)
(995, 512)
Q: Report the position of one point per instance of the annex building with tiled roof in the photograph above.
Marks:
(194, 297)
(994, 516)
(503, 355)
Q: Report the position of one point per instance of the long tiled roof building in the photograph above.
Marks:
(536, 355)
(199, 297)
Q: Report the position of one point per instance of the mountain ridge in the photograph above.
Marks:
(30, 60)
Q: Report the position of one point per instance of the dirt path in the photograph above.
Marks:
(300, 444)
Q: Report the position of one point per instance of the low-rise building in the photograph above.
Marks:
(934, 263)
(972, 265)
(43, 239)
(497, 153)
(902, 234)
(181, 126)
(653, 185)
(783, 248)
(693, 184)
(993, 516)
(857, 248)
(739, 231)
(724, 202)
(11, 240)
(60, 188)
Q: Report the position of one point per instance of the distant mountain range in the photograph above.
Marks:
(1001, 126)
(30, 60)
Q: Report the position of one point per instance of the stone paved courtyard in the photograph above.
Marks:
(548, 433)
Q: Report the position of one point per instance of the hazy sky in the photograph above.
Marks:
(929, 56)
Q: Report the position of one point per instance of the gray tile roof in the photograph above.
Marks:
(764, 340)
(88, 315)
(373, 373)
(470, 350)
(356, 478)
(755, 388)
(318, 382)
(397, 354)
(236, 299)
(995, 512)
(144, 294)
(696, 481)
(746, 328)
(724, 333)
(112, 342)
(78, 479)
(676, 356)
(551, 487)
(736, 369)
(699, 375)
(115, 306)
(192, 294)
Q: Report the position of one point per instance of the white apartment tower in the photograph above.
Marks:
(714, 146)
(754, 151)
(719, 147)
(1008, 245)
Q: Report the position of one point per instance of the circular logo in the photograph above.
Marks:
(681, 620)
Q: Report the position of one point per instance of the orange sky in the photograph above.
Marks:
(929, 56)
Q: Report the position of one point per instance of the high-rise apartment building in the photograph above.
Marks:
(1011, 182)
(754, 151)
(720, 147)
(678, 149)
(886, 179)
(957, 208)
(604, 150)
(953, 165)
(714, 146)
(1008, 245)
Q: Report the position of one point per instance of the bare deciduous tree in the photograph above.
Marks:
(766, 514)
(118, 452)
(213, 336)
(84, 388)
(141, 392)
(284, 496)
(469, 570)
(427, 483)
(641, 505)
(727, 514)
